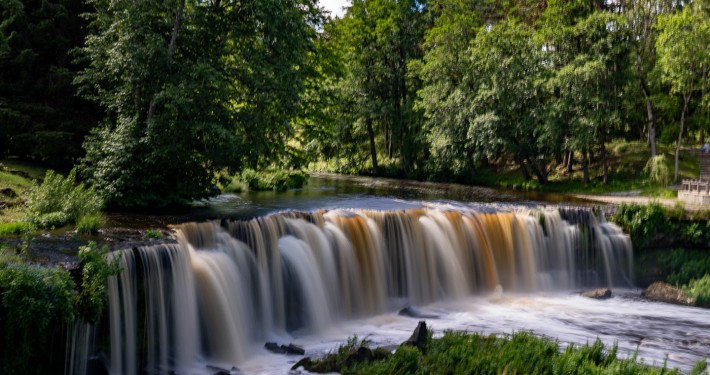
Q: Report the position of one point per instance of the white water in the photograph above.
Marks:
(222, 291)
(656, 330)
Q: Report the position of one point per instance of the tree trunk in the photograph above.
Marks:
(570, 162)
(686, 98)
(651, 120)
(605, 166)
(373, 149)
(171, 51)
(176, 28)
(585, 165)
(523, 168)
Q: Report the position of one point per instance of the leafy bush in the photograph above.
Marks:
(59, 201)
(36, 304)
(700, 290)
(89, 224)
(278, 180)
(659, 170)
(640, 221)
(681, 265)
(154, 234)
(14, 229)
(96, 268)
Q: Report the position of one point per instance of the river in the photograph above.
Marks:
(342, 256)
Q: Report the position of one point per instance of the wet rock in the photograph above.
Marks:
(599, 293)
(294, 349)
(274, 348)
(284, 349)
(662, 292)
(220, 371)
(305, 362)
(419, 336)
(362, 354)
(414, 312)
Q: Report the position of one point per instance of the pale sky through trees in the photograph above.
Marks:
(334, 6)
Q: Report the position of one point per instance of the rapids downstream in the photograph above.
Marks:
(316, 278)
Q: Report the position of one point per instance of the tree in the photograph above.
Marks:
(508, 112)
(642, 16)
(190, 88)
(683, 58)
(41, 116)
(379, 39)
(443, 95)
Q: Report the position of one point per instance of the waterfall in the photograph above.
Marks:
(228, 286)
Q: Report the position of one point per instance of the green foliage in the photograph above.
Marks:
(278, 180)
(89, 224)
(60, 201)
(700, 289)
(520, 353)
(681, 266)
(154, 234)
(36, 303)
(97, 267)
(640, 221)
(14, 229)
(184, 102)
(42, 116)
(658, 170)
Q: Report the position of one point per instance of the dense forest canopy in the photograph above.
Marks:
(156, 99)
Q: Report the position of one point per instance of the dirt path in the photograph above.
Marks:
(619, 199)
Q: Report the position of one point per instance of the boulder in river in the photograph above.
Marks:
(284, 349)
(419, 336)
(414, 312)
(662, 292)
(599, 293)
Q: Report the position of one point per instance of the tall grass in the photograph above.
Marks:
(59, 201)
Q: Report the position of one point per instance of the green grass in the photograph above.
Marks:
(626, 162)
(14, 228)
(519, 353)
(699, 289)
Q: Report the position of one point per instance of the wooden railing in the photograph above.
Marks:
(701, 186)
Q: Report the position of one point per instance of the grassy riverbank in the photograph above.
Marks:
(471, 353)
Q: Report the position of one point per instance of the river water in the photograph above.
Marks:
(656, 332)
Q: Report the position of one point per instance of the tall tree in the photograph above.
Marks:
(41, 116)
(380, 37)
(444, 95)
(683, 58)
(642, 16)
(189, 87)
(507, 106)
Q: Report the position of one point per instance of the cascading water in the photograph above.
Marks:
(225, 286)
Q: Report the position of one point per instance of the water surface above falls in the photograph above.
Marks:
(336, 191)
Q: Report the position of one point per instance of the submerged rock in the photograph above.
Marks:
(284, 349)
(599, 293)
(414, 312)
(662, 292)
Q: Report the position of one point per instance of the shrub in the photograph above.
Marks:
(700, 290)
(640, 221)
(277, 180)
(89, 224)
(154, 234)
(36, 304)
(17, 228)
(683, 265)
(59, 201)
(96, 268)
(659, 170)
